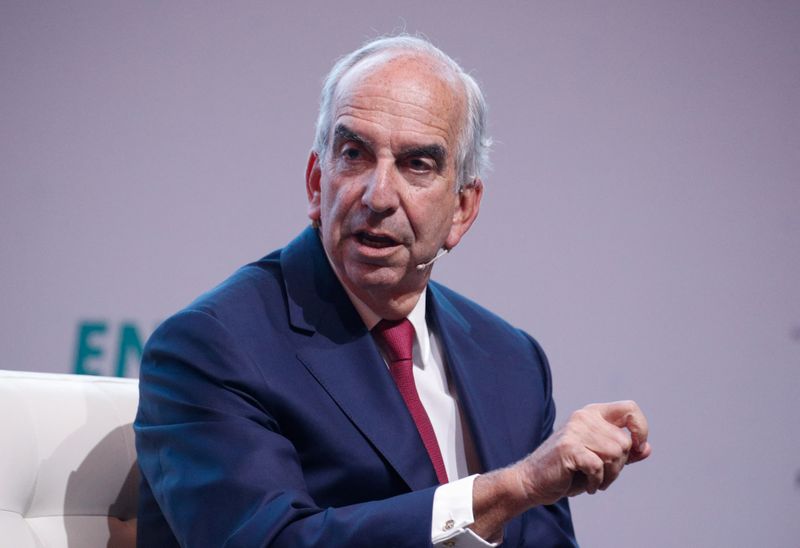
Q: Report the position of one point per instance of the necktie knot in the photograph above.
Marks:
(396, 338)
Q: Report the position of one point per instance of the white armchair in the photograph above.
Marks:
(68, 474)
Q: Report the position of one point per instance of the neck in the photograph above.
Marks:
(372, 311)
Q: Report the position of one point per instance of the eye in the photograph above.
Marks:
(351, 153)
(420, 164)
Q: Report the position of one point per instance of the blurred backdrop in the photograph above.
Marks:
(642, 220)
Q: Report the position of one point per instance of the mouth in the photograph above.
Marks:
(375, 241)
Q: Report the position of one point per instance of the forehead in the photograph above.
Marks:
(402, 93)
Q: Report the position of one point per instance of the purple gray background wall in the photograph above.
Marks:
(642, 219)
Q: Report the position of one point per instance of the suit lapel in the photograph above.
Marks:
(480, 390)
(342, 356)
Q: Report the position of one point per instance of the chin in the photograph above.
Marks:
(371, 277)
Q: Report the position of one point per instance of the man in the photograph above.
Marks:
(282, 407)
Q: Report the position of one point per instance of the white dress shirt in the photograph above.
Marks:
(452, 502)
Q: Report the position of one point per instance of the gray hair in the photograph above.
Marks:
(472, 155)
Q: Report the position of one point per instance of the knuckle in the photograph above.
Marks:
(580, 415)
(625, 443)
(564, 445)
(627, 405)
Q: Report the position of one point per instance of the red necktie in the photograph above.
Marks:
(396, 338)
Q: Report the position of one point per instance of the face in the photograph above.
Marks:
(385, 191)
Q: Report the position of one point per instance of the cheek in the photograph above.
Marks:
(433, 217)
(336, 201)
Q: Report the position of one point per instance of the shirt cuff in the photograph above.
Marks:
(452, 514)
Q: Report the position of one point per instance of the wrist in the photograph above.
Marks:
(498, 497)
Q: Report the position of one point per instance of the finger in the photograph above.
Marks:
(611, 472)
(627, 414)
(592, 468)
(641, 454)
(609, 442)
(613, 461)
(578, 484)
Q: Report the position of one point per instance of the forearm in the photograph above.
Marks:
(497, 497)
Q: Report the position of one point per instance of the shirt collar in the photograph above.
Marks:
(416, 317)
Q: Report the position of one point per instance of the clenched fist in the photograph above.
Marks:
(587, 453)
(584, 455)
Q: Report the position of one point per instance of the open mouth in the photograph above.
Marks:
(375, 240)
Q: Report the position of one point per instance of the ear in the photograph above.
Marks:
(467, 206)
(313, 176)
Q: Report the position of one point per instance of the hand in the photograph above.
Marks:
(586, 454)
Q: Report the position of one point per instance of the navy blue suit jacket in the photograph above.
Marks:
(268, 418)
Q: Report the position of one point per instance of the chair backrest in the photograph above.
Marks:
(68, 473)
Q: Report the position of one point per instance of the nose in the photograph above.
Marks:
(380, 194)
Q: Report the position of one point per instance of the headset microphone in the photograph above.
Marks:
(442, 253)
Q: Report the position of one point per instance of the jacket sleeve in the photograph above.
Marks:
(218, 467)
(549, 525)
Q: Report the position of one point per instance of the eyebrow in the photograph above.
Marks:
(344, 133)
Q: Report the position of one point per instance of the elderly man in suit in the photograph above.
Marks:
(331, 394)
